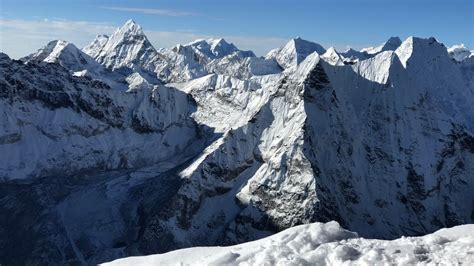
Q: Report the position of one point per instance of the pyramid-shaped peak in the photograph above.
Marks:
(417, 42)
(50, 51)
(332, 56)
(125, 46)
(130, 24)
(131, 27)
(218, 41)
(420, 49)
(391, 44)
(305, 46)
(221, 44)
(394, 39)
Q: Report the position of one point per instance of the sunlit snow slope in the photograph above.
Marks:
(327, 244)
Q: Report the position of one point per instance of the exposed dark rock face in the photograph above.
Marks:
(88, 173)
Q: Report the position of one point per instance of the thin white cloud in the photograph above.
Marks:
(151, 11)
(19, 38)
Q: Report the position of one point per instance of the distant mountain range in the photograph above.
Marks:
(120, 149)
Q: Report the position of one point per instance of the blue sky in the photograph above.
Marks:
(26, 25)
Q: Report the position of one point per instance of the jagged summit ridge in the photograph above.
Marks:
(414, 48)
(217, 48)
(294, 52)
(128, 45)
(390, 45)
(66, 54)
(205, 141)
(96, 45)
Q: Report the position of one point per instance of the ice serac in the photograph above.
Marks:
(126, 47)
(294, 52)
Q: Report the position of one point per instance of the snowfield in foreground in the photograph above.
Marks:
(327, 244)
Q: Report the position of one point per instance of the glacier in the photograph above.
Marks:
(121, 149)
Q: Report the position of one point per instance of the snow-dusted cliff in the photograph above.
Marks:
(129, 150)
(56, 123)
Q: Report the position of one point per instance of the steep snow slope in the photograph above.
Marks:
(225, 102)
(64, 53)
(385, 154)
(383, 145)
(326, 244)
(390, 45)
(352, 56)
(96, 45)
(217, 48)
(127, 47)
(56, 123)
(129, 50)
(332, 57)
(202, 57)
(79, 64)
(294, 52)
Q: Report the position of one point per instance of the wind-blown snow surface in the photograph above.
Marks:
(327, 244)
(121, 149)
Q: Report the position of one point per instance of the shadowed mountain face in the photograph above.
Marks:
(122, 149)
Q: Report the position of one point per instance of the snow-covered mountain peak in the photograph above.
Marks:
(423, 50)
(459, 52)
(64, 53)
(129, 31)
(45, 51)
(332, 57)
(217, 48)
(376, 68)
(304, 46)
(96, 45)
(308, 64)
(60, 47)
(131, 26)
(127, 45)
(390, 45)
(294, 52)
(351, 56)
